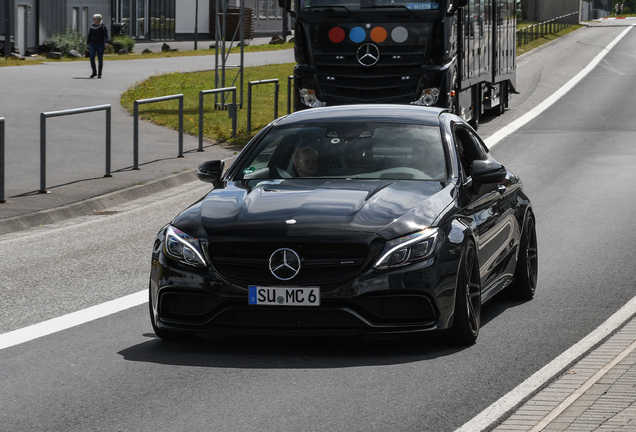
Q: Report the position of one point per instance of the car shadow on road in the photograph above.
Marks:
(293, 352)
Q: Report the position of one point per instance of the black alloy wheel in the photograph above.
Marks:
(467, 320)
(527, 271)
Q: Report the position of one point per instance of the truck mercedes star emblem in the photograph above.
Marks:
(368, 54)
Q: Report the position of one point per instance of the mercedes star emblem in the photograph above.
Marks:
(368, 54)
(284, 264)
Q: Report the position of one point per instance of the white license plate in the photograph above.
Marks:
(288, 296)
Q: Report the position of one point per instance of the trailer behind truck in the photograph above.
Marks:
(458, 54)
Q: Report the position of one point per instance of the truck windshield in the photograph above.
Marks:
(364, 4)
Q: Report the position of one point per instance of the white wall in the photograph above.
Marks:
(185, 14)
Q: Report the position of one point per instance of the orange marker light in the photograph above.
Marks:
(378, 34)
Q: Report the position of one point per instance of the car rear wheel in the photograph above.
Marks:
(525, 283)
(467, 320)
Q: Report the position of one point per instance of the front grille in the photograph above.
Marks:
(394, 77)
(320, 262)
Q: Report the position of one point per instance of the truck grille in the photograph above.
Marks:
(394, 78)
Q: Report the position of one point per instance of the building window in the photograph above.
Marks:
(262, 9)
(75, 22)
(272, 9)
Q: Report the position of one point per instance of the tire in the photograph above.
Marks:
(527, 270)
(166, 335)
(503, 100)
(467, 319)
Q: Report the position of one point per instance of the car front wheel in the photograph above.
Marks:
(467, 320)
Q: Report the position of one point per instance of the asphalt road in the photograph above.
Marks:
(577, 164)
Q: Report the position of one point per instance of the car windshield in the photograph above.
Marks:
(348, 150)
(361, 4)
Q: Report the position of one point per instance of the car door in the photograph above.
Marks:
(489, 210)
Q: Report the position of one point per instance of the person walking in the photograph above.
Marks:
(96, 43)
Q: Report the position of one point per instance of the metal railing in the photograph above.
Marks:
(45, 115)
(2, 200)
(231, 110)
(553, 26)
(249, 100)
(136, 125)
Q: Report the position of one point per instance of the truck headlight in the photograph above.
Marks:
(429, 97)
(308, 97)
(408, 249)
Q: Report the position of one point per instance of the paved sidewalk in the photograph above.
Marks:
(596, 394)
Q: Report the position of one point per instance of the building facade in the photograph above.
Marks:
(32, 21)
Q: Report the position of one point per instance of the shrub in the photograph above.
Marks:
(119, 42)
(65, 41)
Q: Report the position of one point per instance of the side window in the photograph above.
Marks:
(469, 148)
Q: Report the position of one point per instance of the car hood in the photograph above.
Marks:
(284, 208)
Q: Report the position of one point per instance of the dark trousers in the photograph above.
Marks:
(99, 50)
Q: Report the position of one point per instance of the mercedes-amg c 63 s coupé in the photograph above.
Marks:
(369, 219)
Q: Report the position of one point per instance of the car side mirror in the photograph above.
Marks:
(487, 172)
(211, 171)
(285, 4)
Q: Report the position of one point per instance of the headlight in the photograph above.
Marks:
(429, 97)
(408, 249)
(183, 247)
(308, 97)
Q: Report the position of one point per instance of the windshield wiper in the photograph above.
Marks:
(328, 8)
(393, 6)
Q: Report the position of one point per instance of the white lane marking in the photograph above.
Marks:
(517, 396)
(502, 133)
(64, 322)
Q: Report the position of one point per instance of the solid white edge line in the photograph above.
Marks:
(504, 406)
(494, 139)
(64, 322)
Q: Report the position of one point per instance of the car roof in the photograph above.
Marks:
(402, 114)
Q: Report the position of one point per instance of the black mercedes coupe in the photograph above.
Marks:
(368, 219)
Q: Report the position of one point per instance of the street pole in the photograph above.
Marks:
(196, 24)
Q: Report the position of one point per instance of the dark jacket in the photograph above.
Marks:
(97, 35)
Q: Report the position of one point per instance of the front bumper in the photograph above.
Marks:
(416, 298)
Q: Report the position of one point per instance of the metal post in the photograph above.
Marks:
(136, 136)
(200, 121)
(277, 88)
(249, 107)
(2, 200)
(108, 147)
(136, 124)
(45, 115)
(43, 154)
(180, 127)
(289, 90)
(196, 23)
